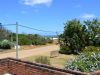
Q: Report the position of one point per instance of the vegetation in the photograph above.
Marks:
(77, 36)
(86, 62)
(91, 49)
(4, 33)
(56, 61)
(7, 38)
(83, 39)
(5, 44)
(4, 38)
(42, 60)
(30, 39)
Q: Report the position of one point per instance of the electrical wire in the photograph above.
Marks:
(30, 28)
(8, 24)
(36, 29)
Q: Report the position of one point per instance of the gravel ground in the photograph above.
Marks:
(32, 52)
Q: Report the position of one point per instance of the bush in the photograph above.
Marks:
(97, 41)
(40, 41)
(86, 62)
(91, 49)
(49, 40)
(42, 60)
(65, 50)
(5, 44)
(24, 41)
(31, 39)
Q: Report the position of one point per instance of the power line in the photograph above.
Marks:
(30, 28)
(36, 29)
(8, 24)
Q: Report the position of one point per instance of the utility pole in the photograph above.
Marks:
(17, 40)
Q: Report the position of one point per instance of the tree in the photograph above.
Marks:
(93, 28)
(77, 35)
(4, 33)
(73, 37)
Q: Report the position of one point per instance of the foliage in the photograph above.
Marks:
(97, 40)
(4, 33)
(91, 49)
(0, 44)
(65, 50)
(39, 40)
(31, 39)
(73, 36)
(5, 44)
(77, 35)
(86, 62)
(23, 40)
(42, 60)
(49, 40)
(93, 27)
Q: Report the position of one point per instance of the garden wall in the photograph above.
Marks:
(19, 67)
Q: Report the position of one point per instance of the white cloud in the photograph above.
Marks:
(37, 2)
(88, 16)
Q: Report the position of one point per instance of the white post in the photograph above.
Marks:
(17, 40)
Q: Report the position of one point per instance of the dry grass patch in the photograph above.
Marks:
(55, 61)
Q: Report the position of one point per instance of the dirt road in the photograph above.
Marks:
(32, 52)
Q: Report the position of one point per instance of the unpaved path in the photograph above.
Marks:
(32, 52)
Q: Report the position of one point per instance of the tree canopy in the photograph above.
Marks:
(4, 33)
(77, 35)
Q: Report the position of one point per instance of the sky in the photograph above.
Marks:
(47, 15)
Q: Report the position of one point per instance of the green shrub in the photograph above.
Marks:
(49, 40)
(31, 39)
(40, 41)
(42, 60)
(24, 41)
(91, 49)
(64, 50)
(5, 44)
(97, 40)
(86, 62)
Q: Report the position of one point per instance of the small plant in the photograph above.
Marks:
(42, 60)
(5, 44)
(86, 62)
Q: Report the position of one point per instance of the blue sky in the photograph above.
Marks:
(49, 15)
